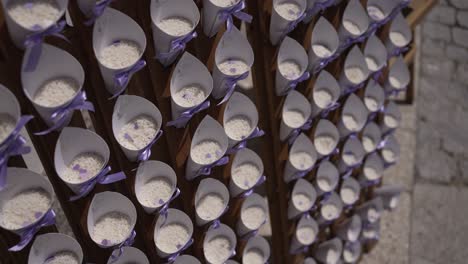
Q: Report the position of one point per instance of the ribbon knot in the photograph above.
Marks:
(297, 131)
(122, 78)
(145, 153)
(163, 210)
(230, 83)
(177, 45)
(293, 84)
(206, 170)
(183, 119)
(324, 62)
(98, 10)
(235, 10)
(257, 132)
(102, 178)
(329, 109)
(29, 232)
(117, 253)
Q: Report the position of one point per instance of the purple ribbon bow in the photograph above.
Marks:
(177, 46)
(101, 178)
(235, 10)
(119, 248)
(34, 42)
(172, 257)
(183, 119)
(293, 84)
(28, 233)
(98, 10)
(165, 207)
(257, 132)
(122, 78)
(247, 193)
(297, 131)
(13, 145)
(206, 170)
(230, 83)
(216, 223)
(145, 153)
(62, 113)
(329, 109)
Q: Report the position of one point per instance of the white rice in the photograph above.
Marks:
(371, 173)
(332, 256)
(351, 27)
(206, 152)
(30, 14)
(395, 82)
(350, 122)
(233, 67)
(288, 10)
(238, 127)
(56, 92)
(305, 235)
(348, 255)
(224, 3)
(138, 132)
(83, 167)
(324, 144)
(324, 183)
(156, 192)
(373, 215)
(64, 257)
(371, 103)
(398, 39)
(253, 217)
(372, 64)
(172, 237)
(301, 160)
(355, 74)
(391, 121)
(189, 96)
(218, 249)
(245, 175)
(329, 211)
(175, 26)
(368, 144)
(394, 202)
(375, 13)
(388, 155)
(323, 98)
(350, 158)
(302, 201)
(120, 54)
(111, 229)
(348, 195)
(321, 51)
(210, 206)
(253, 256)
(290, 69)
(7, 125)
(294, 118)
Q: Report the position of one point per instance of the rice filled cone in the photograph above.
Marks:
(304, 235)
(130, 255)
(291, 66)
(353, 116)
(399, 36)
(208, 147)
(233, 59)
(350, 191)
(375, 55)
(390, 151)
(172, 233)
(191, 85)
(118, 44)
(285, 15)
(219, 244)
(26, 18)
(326, 138)
(219, 12)
(351, 155)
(350, 229)
(295, 115)
(10, 114)
(55, 82)
(87, 6)
(136, 124)
(302, 198)
(371, 211)
(398, 78)
(391, 118)
(155, 185)
(390, 195)
(355, 71)
(301, 160)
(372, 170)
(111, 220)
(370, 233)
(329, 251)
(326, 179)
(374, 97)
(79, 156)
(371, 137)
(379, 10)
(330, 210)
(253, 215)
(324, 43)
(325, 95)
(240, 119)
(173, 24)
(246, 172)
(57, 247)
(352, 251)
(257, 250)
(211, 201)
(186, 259)
(354, 23)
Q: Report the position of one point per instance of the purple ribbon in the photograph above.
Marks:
(13, 145)
(352, 40)
(60, 116)
(376, 75)
(251, 233)
(257, 132)
(34, 42)
(98, 10)
(101, 178)
(325, 197)
(394, 92)
(206, 170)
(353, 88)
(128, 242)
(297, 131)
(300, 250)
(165, 207)
(145, 153)
(177, 45)
(325, 61)
(293, 84)
(183, 119)
(247, 193)
(301, 174)
(235, 10)
(366, 184)
(319, 7)
(373, 115)
(216, 222)
(122, 78)
(28, 233)
(398, 51)
(329, 109)
(172, 257)
(230, 82)
(292, 25)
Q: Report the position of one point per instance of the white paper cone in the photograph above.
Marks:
(209, 129)
(384, 6)
(232, 45)
(351, 146)
(210, 186)
(401, 74)
(72, 142)
(174, 216)
(399, 25)
(108, 202)
(186, 259)
(376, 52)
(326, 178)
(130, 255)
(350, 191)
(305, 188)
(390, 195)
(290, 51)
(52, 63)
(111, 26)
(298, 241)
(86, 7)
(223, 231)
(325, 83)
(260, 244)
(189, 71)
(9, 105)
(243, 156)
(355, 58)
(392, 113)
(302, 144)
(372, 133)
(211, 19)
(149, 170)
(375, 168)
(278, 24)
(47, 245)
(351, 251)
(350, 229)
(251, 201)
(240, 105)
(393, 147)
(323, 34)
(370, 232)
(355, 108)
(163, 9)
(329, 251)
(19, 180)
(374, 96)
(127, 108)
(371, 211)
(326, 216)
(309, 260)
(356, 14)
(297, 102)
(325, 128)
(19, 33)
